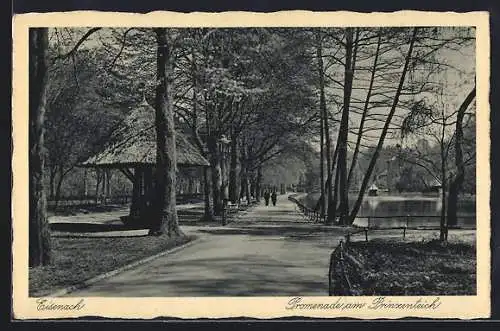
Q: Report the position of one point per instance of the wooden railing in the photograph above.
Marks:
(405, 223)
(339, 282)
(85, 201)
(115, 199)
(341, 261)
(312, 215)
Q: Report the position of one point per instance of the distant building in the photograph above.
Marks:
(383, 179)
(435, 186)
(373, 190)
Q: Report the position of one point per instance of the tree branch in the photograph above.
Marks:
(78, 44)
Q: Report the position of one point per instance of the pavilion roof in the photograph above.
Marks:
(133, 143)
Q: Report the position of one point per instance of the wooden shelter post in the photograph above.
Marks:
(148, 186)
(136, 192)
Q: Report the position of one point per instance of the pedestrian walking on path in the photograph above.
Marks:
(266, 197)
(274, 197)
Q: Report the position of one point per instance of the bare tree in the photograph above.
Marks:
(325, 128)
(435, 122)
(373, 161)
(457, 180)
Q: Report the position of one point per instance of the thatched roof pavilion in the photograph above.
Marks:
(133, 144)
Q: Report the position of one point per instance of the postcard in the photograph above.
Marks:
(251, 165)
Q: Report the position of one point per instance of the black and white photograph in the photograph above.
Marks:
(255, 161)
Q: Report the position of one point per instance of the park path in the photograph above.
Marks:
(266, 251)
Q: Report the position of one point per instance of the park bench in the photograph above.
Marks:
(369, 226)
(228, 209)
(243, 203)
(232, 207)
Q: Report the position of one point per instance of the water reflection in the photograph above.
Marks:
(417, 210)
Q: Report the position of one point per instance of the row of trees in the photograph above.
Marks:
(388, 84)
(399, 169)
(244, 96)
(248, 88)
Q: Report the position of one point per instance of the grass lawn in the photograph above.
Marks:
(78, 259)
(414, 268)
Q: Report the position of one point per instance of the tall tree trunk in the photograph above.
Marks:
(165, 221)
(233, 173)
(57, 196)
(39, 235)
(331, 216)
(335, 196)
(243, 181)
(258, 184)
(224, 173)
(328, 158)
(246, 176)
(443, 226)
(242, 175)
(457, 181)
(373, 161)
(85, 184)
(344, 129)
(215, 163)
(365, 112)
(244, 185)
(332, 208)
(52, 182)
(325, 130)
(252, 184)
(135, 207)
(207, 194)
(322, 165)
(248, 189)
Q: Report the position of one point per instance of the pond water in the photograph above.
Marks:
(397, 210)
